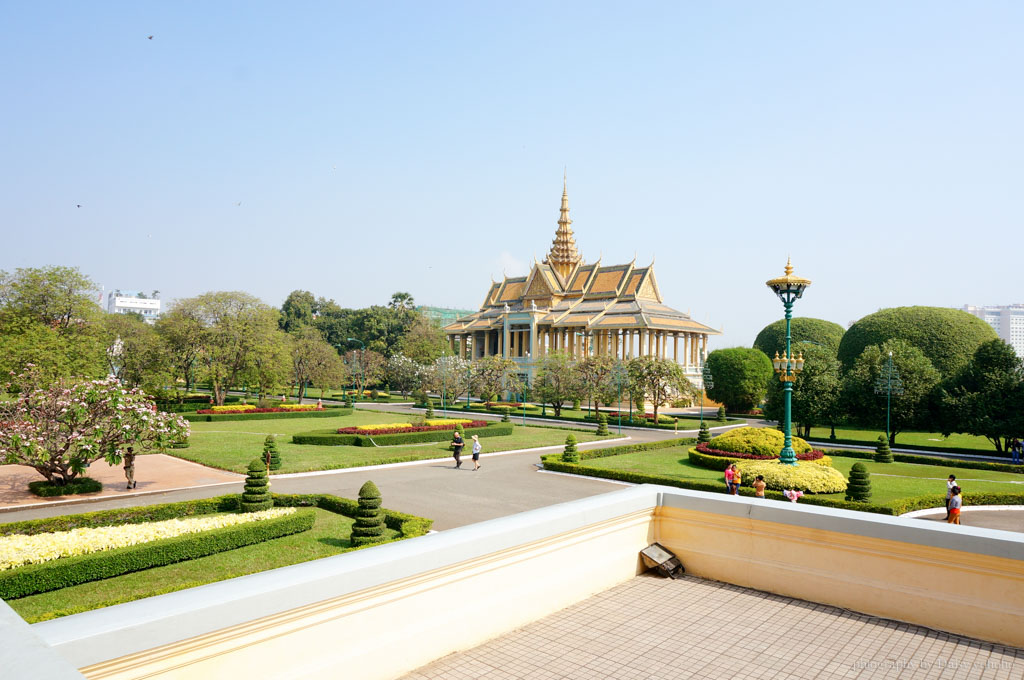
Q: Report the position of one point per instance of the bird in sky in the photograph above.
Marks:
(239, 203)
(149, 37)
(78, 205)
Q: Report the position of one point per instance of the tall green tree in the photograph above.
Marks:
(596, 378)
(772, 337)
(298, 311)
(657, 381)
(61, 297)
(816, 390)
(741, 377)
(557, 381)
(182, 332)
(314, 361)
(495, 375)
(364, 368)
(403, 374)
(910, 410)
(270, 364)
(987, 398)
(24, 340)
(449, 375)
(135, 352)
(947, 337)
(424, 341)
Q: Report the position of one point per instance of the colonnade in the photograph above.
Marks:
(688, 349)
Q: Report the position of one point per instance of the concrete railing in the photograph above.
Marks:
(380, 612)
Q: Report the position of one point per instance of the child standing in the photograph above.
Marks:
(955, 503)
(737, 479)
(476, 452)
(759, 486)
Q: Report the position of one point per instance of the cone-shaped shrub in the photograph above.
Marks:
(602, 424)
(883, 454)
(430, 408)
(270, 447)
(721, 414)
(460, 429)
(704, 435)
(369, 525)
(504, 414)
(256, 495)
(858, 488)
(570, 454)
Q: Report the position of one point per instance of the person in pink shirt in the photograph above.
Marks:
(730, 476)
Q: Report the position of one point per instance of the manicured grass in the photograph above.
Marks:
(926, 440)
(329, 536)
(889, 481)
(232, 445)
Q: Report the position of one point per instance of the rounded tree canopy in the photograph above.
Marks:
(740, 376)
(772, 337)
(948, 337)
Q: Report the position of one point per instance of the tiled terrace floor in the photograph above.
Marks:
(657, 629)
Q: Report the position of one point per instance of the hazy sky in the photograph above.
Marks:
(355, 150)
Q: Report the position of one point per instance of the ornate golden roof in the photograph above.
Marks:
(788, 283)
(564, 256)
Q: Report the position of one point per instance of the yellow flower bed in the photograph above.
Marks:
(385, 426)
(18, 550)
(233, 407)
(298, 407)
(805, 475)
(447, 421)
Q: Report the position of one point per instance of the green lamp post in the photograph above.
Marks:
(789, 289)
(889, 383)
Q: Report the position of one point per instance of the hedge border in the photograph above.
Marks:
(869, 454)
(45, 489)
(327, 438)
(328, 412)
(72, 571)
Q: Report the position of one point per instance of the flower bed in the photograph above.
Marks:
(249, 408)
(500, 404)
(814, 454)
(393, 428)
(806, 477)
(637, 415)
(396, 437)
(19, 549)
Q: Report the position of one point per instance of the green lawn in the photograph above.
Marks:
(889, 481)
(580, 415)
(329, 536)
(928, 440)
(232, 445)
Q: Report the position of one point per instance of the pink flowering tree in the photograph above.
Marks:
(61, 427)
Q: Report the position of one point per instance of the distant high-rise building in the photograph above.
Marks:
(443, 315)
(129, 302)
(1007, 320)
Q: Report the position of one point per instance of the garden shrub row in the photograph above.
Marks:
(118, 516)
(868, 454)
(191, 404)
(332, 438)
(992, 453)
(409, 526)
(70, 571)
(328, 412)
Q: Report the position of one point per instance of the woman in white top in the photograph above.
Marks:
(476, 452)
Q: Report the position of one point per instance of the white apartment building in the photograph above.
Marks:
(1007, 320)
(122, 302)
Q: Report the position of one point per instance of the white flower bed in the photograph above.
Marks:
(18, 550)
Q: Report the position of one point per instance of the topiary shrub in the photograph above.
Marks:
(374, 394)
(256, 495)
(772, 337)
(270, 452)
(721, 414)
(369, 525)
(575, 404)
(570, 454)
(704, 435)
(804, 476)
(602, 424)
(460, 429)
(883, 454)
(858, 488)
(504, 414)
(757, 440)
(430, 408)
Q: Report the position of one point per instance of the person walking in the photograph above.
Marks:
(759, 486)
(457, 444)
(956, 502)
(1015, 450)
(476, 452)
(129, 468)
(950, 484)
(737, 479)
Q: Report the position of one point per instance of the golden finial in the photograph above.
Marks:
(789, 266)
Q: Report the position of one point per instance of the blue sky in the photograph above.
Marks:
(416, 146)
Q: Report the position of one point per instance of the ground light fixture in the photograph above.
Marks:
(789, 288)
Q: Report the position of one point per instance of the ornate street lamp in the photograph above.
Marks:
(707, 383)
(888, 382)
(362, 361)
(789, 288)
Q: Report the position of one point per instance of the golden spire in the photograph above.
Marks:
(564, 257)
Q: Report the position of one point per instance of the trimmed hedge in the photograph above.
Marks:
(137, 515)
(328, 412)
(869, 454)
(409, 526)
(70, 571)
(81, 485)
(331, 438)
(991, 453)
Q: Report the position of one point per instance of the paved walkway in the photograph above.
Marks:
(659, 629)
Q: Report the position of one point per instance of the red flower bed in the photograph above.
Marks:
(708, 451)
(415, 428)
(210, 411)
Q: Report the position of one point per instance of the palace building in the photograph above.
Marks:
(567, 305)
